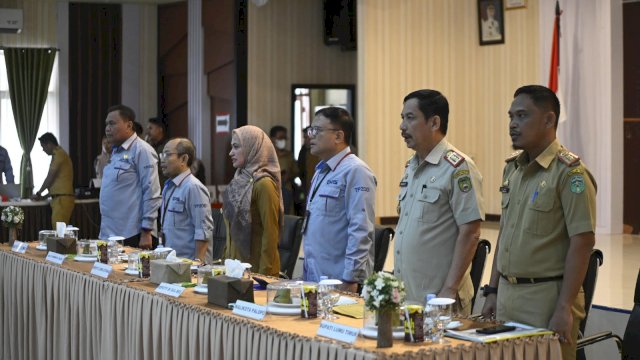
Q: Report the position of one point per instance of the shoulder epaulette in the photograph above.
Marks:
(568, 158)
(406, 164)
(513, 156)
(454, 158)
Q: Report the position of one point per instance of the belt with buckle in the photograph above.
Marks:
(59, 195)
(520, 280)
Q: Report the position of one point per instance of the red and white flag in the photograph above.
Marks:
(554, 69)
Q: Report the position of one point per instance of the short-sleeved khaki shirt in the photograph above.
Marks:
(544, 203)
(437, 195)
(63, 183)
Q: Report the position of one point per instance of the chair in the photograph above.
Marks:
(589, 284)
(382, 237)
(219, 241)
(477, 266)
(289, 244)
(629, 346)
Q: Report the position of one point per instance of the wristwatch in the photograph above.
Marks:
(486, 290)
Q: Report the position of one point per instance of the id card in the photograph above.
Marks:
(305, 221)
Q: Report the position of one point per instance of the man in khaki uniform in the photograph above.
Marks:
(547, 225)
(59, 180)
(440, 206)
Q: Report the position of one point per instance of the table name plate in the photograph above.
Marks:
(55, 257)
(339, 332)
(101, 270)
(249, 310)
(19, 247)
(170, 290)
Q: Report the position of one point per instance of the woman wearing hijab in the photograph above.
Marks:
(253, 202)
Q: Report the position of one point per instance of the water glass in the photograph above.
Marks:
(112, 248)
(441, 317)
(119, 240)
(204, 274)
(132, 262)
(329, 296)
(43, 236)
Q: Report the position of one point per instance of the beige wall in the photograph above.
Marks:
(286, 47)
(410, 44)
(39, 24)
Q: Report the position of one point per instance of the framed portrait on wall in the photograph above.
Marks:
(515, 4)
(491, 22)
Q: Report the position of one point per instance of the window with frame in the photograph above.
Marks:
(9, 135)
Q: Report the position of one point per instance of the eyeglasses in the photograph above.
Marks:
(164, 156)
(313, 131)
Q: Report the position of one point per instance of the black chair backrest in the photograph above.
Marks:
(382, 237)
(289, 244)
(477, 266)
(219, 240)
(589, 283)
(631, 340)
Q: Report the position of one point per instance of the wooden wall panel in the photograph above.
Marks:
(172, 67)
(286, 47)
(412, 44)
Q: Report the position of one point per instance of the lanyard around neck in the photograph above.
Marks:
(315, 190)
(166, 205)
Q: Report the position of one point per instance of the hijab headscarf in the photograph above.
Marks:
(261, 161)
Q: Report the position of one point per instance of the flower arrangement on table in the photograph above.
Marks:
(383, 291)
(384, 294)
(12, 216)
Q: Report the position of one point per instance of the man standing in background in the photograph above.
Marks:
(288, 167)
(157, 137)
(5, 167)
(59, 181)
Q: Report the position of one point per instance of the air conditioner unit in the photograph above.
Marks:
(10, 21)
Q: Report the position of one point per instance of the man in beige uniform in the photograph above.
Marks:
(59, 180)
(440, 206)
(547, 225)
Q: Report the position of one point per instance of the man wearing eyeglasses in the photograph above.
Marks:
(339, 222)
(130, 192)
(440, 206)
(186, 219)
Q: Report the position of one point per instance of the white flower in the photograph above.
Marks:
(379, 283)
(3, 217)
(16, 220)
(9, 218)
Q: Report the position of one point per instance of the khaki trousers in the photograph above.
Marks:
(61, 209)
(534, 304)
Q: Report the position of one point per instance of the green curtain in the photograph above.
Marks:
(28, 72)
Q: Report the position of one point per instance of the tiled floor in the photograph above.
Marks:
(617, 275)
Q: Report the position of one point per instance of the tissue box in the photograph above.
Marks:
(224, 290)
(170, 272)
(59, 245)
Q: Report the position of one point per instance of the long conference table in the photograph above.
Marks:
(53, 311)
(37, 216)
